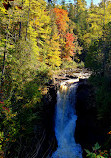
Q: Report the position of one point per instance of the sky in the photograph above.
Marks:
(72, 1)
(88, 1)
(94, 1)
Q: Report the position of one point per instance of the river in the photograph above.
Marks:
(65, 121)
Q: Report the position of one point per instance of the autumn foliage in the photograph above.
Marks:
(61, 19)
(67, 39)
(69, 45)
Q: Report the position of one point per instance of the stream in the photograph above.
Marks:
(65, 121)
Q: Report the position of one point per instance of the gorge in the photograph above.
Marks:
(65, 120)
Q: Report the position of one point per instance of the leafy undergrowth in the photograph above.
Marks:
(97, 153)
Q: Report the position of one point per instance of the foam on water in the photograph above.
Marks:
(65, 124)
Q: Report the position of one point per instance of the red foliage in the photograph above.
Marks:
(61, 19)
(6, 109)
(69, 44)
(1, 102)
(69, 40)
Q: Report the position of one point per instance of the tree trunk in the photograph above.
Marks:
(20, 24)
(4, 57)
(20, 29)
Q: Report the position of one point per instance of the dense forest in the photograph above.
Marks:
(38, 39)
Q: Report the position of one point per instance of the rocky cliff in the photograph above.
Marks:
(88, 127)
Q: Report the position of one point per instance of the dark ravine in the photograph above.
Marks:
(89, 130)
(60, 78)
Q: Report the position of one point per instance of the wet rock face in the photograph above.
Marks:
(88, 128)
(49, 103)
(49, 111)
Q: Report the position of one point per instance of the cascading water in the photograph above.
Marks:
(65, 123)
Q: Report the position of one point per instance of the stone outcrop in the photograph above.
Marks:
(70, 74)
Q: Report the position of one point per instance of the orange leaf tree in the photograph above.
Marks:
(69, 46)
(66, 39)
(61, 20)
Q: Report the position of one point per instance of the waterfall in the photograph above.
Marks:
(65, 122)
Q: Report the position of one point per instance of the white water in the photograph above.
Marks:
(65, 123)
